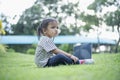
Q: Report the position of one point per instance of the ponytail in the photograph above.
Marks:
(44, 24)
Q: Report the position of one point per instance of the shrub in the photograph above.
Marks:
(65, 47)
(10, 50)
(33, 46)
(31, 51)
(3, 49)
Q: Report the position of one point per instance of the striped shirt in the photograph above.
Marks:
(42, 54)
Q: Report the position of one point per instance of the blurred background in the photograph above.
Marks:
(86, 18)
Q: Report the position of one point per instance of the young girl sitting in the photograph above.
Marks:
(47, 54)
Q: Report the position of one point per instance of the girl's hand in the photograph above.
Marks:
(74, 58)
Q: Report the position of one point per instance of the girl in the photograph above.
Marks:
(47, 54)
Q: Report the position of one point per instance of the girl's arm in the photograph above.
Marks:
(56, 51)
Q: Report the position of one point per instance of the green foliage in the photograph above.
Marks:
(29, 21)
(87, 27)
(106, 67)
(64, 30)
(5, 21)
(66, 47)
(31, 51)
(3, 49)
(10, 50)
(48, 1)
(112, 19)
(118, 49)
(33, 46)
(98, 3)
(32, 16)
(20, 47)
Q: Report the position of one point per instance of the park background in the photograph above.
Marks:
(92, 19)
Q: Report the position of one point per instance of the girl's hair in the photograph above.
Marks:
(44, 25)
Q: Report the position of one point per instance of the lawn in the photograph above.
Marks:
(18, 66)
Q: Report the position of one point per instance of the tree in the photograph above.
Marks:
(41, 9)
(32, 17)
(4, 20)
(29, 21)
(111, 18)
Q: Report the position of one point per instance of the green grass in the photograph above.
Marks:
(16, 66)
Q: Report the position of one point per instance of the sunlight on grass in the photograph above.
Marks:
(16, 66)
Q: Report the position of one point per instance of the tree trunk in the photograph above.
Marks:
(117, 44)
(113, 29)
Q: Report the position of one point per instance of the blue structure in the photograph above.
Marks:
(28, 39)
